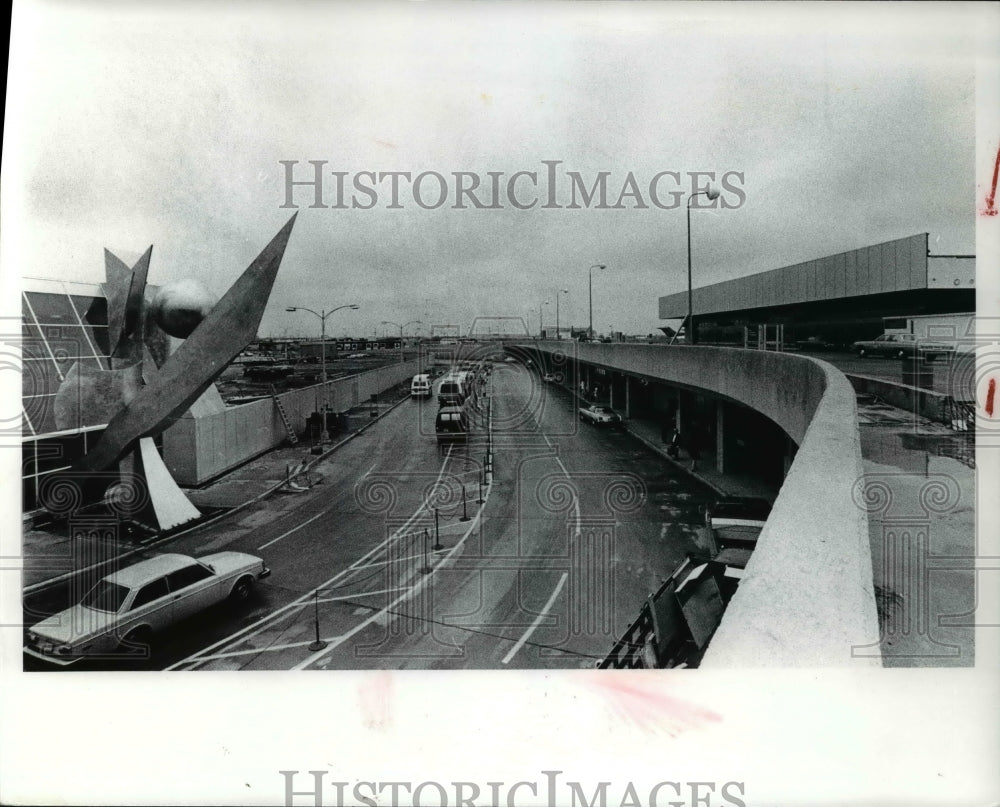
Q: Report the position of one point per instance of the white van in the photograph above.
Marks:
(420, 386)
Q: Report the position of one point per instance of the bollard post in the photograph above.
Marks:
(480, 499)
(426, 569)
(465, 513)
(317, 644)
(437, 530)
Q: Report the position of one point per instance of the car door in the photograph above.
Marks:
(151, 606)
(192, 589)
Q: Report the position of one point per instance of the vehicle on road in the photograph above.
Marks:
(121, 613)
(901, 346)
(736, 521)
(452, 424)
(452, 391)
(553, 378)
(598, 415)
(420, 386)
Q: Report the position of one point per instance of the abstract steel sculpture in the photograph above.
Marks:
(145, 390)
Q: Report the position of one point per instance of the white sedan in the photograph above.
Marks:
(125, 608)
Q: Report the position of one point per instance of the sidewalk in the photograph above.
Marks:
(723, 484)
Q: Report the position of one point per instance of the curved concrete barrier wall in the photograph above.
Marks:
(196, 449)
(807, 598)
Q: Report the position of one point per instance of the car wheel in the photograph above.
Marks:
(242, 590)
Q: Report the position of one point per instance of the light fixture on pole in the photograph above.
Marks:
(324, 433)
(561, 291)
(411, 322)
(397, 325)
(713, 194)
(590, 272)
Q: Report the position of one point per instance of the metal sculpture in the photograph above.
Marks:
(141, 395)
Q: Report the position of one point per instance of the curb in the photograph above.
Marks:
(43, 584)
(693, 474)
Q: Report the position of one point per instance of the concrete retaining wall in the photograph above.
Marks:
(807, 598)
(196, 449)
(926, 403)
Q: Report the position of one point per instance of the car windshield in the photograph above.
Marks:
(105, 596)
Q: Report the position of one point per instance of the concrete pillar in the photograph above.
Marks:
(720, 436)
(790, 449)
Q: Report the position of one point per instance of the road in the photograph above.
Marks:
(576, 527)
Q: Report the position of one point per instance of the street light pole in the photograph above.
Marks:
(590, 272)
(324, 433)
(713, 194)
(561, 291)
(540, 304)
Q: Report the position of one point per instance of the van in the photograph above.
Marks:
(420, 386)
(451, 424)
(452, 391)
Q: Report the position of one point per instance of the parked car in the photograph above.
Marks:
(901, 346)
(127, 607)
(598, 415)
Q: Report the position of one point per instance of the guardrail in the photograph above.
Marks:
(807, 596)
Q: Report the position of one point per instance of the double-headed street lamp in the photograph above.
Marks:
(411, 322)
(561, 291)
(713, 194)
(590, 272)
(324, 434)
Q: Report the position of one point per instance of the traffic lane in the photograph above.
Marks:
(409, 481)
(638, 517)
(294, 534)
(472, 613)
(537, 588)
(654, 509)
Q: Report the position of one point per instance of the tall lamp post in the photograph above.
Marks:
(411, 322)
(324, 434)
(561, 291)
(590, 272)
(546, 302)
(713, 194)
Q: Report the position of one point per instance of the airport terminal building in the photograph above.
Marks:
(840, 298)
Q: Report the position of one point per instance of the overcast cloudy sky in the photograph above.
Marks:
(167, 126)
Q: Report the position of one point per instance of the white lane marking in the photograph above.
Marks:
(576, 499)
(256, 627)
(334, 644)
(293, 529)
(361, 594)
(538, 620)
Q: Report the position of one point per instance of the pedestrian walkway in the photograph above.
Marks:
(724, 484)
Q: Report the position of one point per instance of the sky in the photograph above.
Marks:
(169, 124)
